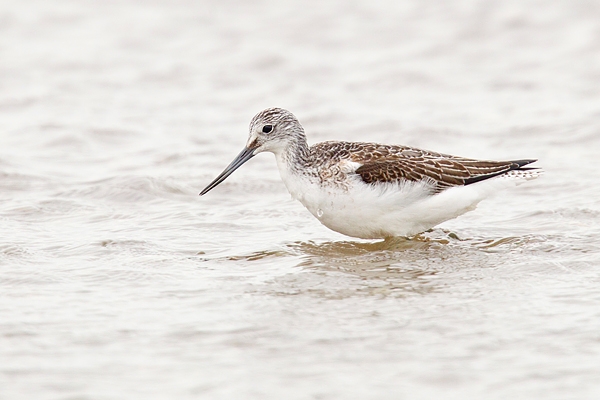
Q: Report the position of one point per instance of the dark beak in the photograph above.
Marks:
(241, 158)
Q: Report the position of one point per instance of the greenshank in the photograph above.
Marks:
(370, 190)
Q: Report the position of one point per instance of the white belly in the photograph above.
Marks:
(385, 210)
(369, 212)
(373, 212)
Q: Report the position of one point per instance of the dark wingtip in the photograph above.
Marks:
(514, 165)
(522, 163)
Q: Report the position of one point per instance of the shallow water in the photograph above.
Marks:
(119, 281)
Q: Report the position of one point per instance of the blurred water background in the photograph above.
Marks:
(117, 281)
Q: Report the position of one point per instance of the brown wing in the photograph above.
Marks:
(443, 173)
(385, 163)
(404, 163)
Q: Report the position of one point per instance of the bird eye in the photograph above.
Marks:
(267, 128)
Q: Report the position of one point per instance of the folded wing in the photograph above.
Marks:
(440, 170)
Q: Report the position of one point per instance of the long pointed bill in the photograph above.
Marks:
(241, 158)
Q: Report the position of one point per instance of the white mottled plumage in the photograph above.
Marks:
(368, 190)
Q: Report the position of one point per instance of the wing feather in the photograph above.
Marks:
(384, 164)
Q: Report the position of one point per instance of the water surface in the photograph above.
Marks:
(119, 281)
